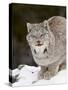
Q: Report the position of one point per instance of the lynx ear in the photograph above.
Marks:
(46, 25)
(29, 27)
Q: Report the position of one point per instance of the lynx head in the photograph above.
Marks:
(42, 40)
(39, 36)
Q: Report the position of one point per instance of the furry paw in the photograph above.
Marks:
(62, 66)
(48, 75)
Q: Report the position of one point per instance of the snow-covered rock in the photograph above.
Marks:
(27, 75)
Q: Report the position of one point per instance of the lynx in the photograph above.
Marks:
(47, 41)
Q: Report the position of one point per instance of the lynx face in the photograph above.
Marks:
(38, 37)
(40, 40)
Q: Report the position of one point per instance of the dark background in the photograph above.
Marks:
(19, 15)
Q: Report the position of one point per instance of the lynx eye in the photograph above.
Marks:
(42, 35)
(33, 36)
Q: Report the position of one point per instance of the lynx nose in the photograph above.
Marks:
(38, 42)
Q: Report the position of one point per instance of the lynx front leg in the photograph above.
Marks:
(41, 72)
(52, 71)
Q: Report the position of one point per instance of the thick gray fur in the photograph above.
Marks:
(47, 41)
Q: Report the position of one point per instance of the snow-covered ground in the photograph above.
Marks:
(28, 75)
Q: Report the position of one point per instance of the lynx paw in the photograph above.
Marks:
(62, 66)
(47, 75)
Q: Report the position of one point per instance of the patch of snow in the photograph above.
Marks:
(60, 78)
(29, 74)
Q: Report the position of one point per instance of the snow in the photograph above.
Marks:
(28, 75)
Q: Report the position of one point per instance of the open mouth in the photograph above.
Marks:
(39, 44)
